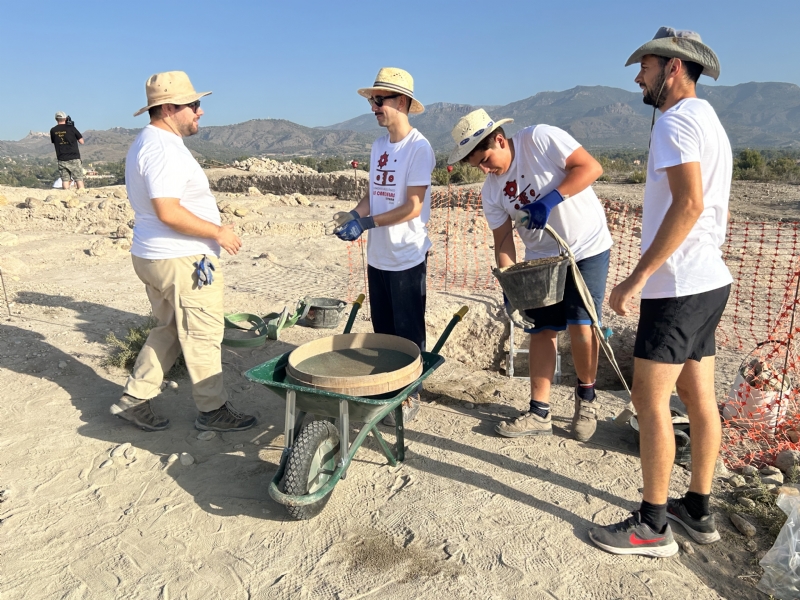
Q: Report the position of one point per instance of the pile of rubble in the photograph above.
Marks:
(267, 165)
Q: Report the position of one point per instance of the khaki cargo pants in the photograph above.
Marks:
(189, 319)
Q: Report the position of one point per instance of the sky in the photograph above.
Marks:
(304, 61)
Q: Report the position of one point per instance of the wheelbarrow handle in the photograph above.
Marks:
(446, 333)
(356, 306)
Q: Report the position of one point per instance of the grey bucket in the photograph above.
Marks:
(322, 313)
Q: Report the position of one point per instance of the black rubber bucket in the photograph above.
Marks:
(534, 283)
(322, 313)
(680, 426)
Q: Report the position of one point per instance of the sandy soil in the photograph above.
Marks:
(469, 515)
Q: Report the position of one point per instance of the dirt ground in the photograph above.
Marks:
(468, 515)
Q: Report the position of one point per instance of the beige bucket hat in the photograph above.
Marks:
(392, 80)
(470, 130)
(172, 87)
(683, 44)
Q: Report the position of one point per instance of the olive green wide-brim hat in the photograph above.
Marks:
(391, 80)
(172, 87)
(470, 130)
(683, 44)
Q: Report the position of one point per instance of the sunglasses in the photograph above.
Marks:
(193, 105)
(379, 100)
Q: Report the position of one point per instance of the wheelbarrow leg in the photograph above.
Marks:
(290, 427)
(387, 450)
(344, 435)
(400, 432)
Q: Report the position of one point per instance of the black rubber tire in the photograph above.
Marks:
(301, 462)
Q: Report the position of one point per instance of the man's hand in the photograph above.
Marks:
(352, 230)
(624, 292)
(535, 214)
(228, 240)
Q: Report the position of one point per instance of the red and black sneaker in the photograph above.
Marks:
(634, 537)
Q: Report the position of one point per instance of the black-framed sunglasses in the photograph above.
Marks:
(192, 105)
(379, 100)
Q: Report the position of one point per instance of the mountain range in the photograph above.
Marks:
(756, 115)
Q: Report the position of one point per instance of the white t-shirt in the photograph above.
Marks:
(393, 168)
(689, 132)
(539, 166)
(159, 165)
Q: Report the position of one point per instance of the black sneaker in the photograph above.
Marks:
(139, 412)
(225, 418)
(410, 409)
(702, 530)
(634, 537)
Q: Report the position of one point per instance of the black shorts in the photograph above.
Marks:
(674, 330)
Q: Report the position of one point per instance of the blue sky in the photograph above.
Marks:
(303, 61)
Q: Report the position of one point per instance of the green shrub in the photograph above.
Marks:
(440, 177)
(464, 173)
(123, 353)
(637, 176)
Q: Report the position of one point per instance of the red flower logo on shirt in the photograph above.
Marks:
(523, 199)
(511, 188)
(383, 160)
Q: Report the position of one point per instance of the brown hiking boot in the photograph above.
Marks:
(225, 418)
(139, 412)
(584, 421)
(526, 424)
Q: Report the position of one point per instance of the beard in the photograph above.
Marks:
(651, 93)
(188, 129)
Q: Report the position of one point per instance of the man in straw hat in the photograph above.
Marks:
(396, 209)
(684, 285)
(175, 252)
(543, 167)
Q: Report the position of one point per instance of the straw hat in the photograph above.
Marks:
(470, 130)
(685, 44)
(394, 81)
(172, 87)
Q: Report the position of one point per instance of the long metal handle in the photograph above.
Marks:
(356, 305)
(446, 333)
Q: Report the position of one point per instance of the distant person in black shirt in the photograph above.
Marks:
(66, 139)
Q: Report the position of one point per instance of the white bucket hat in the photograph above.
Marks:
(684, 44)
(470, 130)
(392, 80)
(172, 87)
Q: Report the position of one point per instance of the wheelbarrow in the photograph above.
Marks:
(317, 456)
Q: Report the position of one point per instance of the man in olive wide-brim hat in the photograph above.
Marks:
(541, 175)
(395, 210)
(175, 253)
(684, 286)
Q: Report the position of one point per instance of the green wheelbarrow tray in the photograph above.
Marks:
(301, 400)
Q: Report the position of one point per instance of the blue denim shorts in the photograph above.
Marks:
(571, 311)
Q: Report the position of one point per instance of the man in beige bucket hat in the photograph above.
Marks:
(684, 287)
(544, 168)
(396, 210)
(176, 245)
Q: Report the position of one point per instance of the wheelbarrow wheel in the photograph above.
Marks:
(310, 465)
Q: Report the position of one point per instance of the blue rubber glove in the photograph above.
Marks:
(205, 272)
(535, 214)
(352, 230)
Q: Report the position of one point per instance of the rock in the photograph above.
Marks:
(737, 481)
(787, 459)
(769, 470)
(172, 458)
(120, 194)
(240, 212)
(62, 365)
(746, 502)
(744, 526)
(752, 493)
(749, 480)
(226, 209)
(120, 450)
(101, 195)
(749, 470)
(173, 385)
(72, 202)
(206, 435)
(186, 459)
(52, 198)
(101, 247)
(793, 436)
(687, 547)
(31, 202)
(301, 200)
(253, 191)
(130, 453)
(106, 463)
(123, 231)
(12, 265)
(751, 546)
(102, 205)
(720, 470)
(238, 446)
(787, 490)
(4, 495)
(469, 405)
(8, 239)
(775, 479)
(3, 200)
